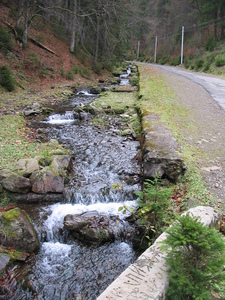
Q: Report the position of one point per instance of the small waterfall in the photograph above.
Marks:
(124, 78)
(65, 118)
(105, 176)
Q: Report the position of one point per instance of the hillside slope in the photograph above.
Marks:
(37, 67)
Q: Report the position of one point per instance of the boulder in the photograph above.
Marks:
(93, 227)
(45, 181)
(16, 231)
(60, 163)
(95, 90)
(34, 109)
(25, 167)
(16, 184)
(4, 260)
(4, 173)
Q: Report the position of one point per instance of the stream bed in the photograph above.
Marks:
(105, 176)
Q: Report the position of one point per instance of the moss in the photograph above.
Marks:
(13, 254)
(11, 215)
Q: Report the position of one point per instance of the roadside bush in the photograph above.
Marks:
(175, 61)
(155, 207)
(5, 40)
(220, 61)
(206, 66)
(187, 63)
(195, 258)
(199, 64)
(7, 79)
(210, 43)
(164, 60)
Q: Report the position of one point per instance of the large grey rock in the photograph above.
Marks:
(25, 167)
(4, 173)
(16, 231)
(93, 227)
(147, 278)
(4, 260)
(61, 163)
(16, 184)
(46, 181)
(161, 151)
(34, 109)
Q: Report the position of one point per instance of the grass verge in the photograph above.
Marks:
(158, 98)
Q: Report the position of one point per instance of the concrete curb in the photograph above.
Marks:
(147, 278)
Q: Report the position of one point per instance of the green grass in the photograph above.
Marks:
(121, 105)
(14, 143)
(158, 98)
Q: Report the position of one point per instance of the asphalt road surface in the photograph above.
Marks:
(214, 85)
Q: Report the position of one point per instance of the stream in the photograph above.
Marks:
(105, 176)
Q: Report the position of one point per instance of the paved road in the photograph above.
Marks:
(214, 85)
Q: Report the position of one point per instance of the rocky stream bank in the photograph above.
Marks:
(117, 160)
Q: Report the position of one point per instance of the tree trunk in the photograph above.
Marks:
(25, 32)
(73, 29)
(20, 12)
(97, 39)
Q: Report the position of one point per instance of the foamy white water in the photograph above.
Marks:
(65, 118)
(58, 211)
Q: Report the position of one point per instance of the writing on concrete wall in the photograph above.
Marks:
(136, 283)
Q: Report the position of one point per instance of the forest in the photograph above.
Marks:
(112, 29)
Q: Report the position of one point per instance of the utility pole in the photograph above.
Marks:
(182, 46)
(138, 49)
(155, 57)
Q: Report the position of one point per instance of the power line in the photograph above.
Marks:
(192, 28)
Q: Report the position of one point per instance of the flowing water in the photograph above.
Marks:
(103, 169)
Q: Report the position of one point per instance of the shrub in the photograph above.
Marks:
(220, 61)
(199, 64)
(155, 206)
(69, 75)
(210, 43)
(134, 81)
(196, 258)
(7, 79)
(97, 68)
(206, 66)
(164, 60)
(19, 31)
(85, 72)
(186, 64)
(76, 69)
(40, 38)
(62, 72)
(175, 61)
(5, 40)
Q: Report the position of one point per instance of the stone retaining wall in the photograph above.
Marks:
(147, 278)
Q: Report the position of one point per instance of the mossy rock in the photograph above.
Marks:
(16, 231)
